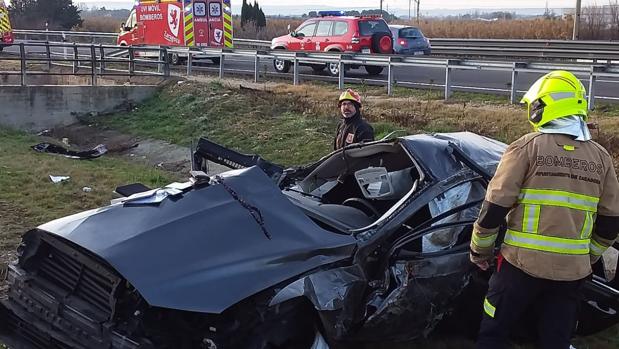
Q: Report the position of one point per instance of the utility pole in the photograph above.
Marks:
(381, 8)
(409, 10)
(417, 1)
(576, 21)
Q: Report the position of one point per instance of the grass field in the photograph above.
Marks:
(285, 124)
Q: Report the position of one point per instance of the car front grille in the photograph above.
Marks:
(79, 279)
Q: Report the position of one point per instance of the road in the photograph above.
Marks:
(498, 82)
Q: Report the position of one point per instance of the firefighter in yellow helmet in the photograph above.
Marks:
(352, 128)
(559, 192)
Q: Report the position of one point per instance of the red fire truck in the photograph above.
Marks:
(186, 23)
(6, 33)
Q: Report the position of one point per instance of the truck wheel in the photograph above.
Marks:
(373, 70)
(175, 58)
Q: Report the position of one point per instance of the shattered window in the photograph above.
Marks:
(452, 198)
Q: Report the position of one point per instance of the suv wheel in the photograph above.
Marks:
(318, 68)
(382, 43)
(373, 69)
(281, 65)
(333, 69)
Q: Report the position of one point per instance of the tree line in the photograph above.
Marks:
(252, 13)
(42, 14)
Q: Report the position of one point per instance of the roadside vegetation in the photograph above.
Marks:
(286, 124)
(29, 198)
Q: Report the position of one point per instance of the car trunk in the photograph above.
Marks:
(411, 38)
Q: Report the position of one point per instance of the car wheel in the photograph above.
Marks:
(333, 69)
(373, 70)
(215, 60)
(318, 68)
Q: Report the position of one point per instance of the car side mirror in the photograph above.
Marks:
(299, 35)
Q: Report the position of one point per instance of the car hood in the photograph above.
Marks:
(207, 250)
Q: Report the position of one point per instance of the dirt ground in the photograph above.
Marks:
(169, 157)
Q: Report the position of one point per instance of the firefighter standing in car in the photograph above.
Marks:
(559, 192)
(353, 128)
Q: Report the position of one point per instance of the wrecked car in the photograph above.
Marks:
(370, 243)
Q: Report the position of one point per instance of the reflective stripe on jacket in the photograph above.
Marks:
(555, 187)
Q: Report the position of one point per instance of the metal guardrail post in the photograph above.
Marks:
(295, 70)
(131, 60)
(161, 61)
(222, 59)
(22, 58)
(257, 66)
(340, 78)
(448, 68)
(514, 89)
(48, 55)
(93, 65)
(102, 61)
(189, 62)
(592, 80)
(390, 74)
(166, 63)
(76, 58)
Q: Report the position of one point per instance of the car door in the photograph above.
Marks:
(322, 38)
(426, 267)
(341, 37)
(302, 39)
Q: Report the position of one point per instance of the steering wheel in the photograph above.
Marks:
(364, 205)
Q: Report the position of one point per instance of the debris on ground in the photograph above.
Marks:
(58, 179)
(72, 154)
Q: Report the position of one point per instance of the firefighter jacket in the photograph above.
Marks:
(352, 130)
(561, 198)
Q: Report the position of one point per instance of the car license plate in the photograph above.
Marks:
(418, 53)
(366, 50)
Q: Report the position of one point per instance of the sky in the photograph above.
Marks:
(424, 4)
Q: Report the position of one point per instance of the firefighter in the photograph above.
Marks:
(352, 128)
(559, 192)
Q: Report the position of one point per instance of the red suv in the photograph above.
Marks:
(333, 32)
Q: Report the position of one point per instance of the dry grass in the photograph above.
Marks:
(100, 24)
(501, 29)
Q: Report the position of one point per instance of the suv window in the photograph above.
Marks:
(324, 28)
(369, 27)
(307, 30)
(340, 28)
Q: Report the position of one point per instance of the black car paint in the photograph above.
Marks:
(191, 259)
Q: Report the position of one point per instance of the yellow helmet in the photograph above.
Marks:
(350, 95)
(555, 95)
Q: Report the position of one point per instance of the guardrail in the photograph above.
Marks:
(85, 60)
(98, 58)
(494, 48)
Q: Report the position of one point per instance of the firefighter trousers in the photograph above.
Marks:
(511, 292)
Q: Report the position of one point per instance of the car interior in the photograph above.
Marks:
(355, 187)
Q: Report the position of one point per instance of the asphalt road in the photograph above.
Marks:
(488, 81)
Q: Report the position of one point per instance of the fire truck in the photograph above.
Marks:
(178, 23)
(6, 33)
